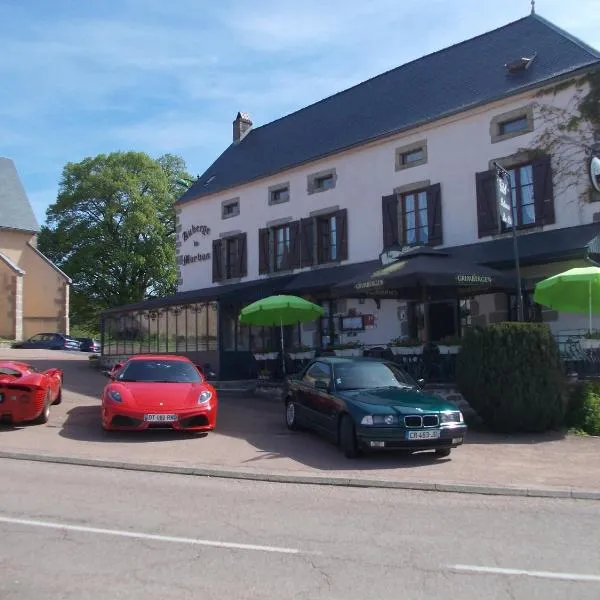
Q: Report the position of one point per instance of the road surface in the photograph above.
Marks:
(84, 533)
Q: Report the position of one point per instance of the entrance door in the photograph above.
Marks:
(442, 320)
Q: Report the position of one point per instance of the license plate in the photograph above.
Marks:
(432, 434)
(162, 418)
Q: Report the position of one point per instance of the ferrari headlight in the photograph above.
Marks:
(379, 420)
(115, 396)
(451, 416)
(204, 397)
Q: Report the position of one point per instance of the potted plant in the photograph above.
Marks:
(264, 375)
(348, 349)
(406, 346)
(591, 341)
(302, 352)
(450, 344)
(264, 354)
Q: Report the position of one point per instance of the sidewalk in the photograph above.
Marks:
(252, 441)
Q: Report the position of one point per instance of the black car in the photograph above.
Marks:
(88, 344)
(49, 341)
(371, 404)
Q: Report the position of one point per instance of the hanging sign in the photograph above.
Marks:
(504, 196)
(595, 172)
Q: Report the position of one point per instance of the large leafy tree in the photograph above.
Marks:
(112, 230)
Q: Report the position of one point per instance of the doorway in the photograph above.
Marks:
(442, 320)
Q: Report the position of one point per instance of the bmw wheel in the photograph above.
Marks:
(348, 441)
(291, 418)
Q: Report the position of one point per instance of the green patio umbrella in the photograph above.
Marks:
(279, 311)
(576, 291)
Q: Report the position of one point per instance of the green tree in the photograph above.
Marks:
(112, 230)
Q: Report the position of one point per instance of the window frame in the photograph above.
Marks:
(274, 246)
(278, 189)
(314, 181)
(226, 204)
(518, 201)
(419, 194)
(324, 254)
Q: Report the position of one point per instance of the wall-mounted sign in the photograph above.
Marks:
(595, 172)
(364, 285)
(187, 259)
(194, 229)
(473, 280)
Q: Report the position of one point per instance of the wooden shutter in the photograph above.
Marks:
(242, 255)
(391, 229)
(307, 240)
(264, 254)
(217, 260)
(543, 191)
(487, 207)
(295, 257)
(434, 215)
(341, 233)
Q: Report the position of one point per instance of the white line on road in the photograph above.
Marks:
(521, 572)
(151, 536)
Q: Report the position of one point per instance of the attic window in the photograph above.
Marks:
(513, 126)
(230, 208)
(520, 64)
(321, 181)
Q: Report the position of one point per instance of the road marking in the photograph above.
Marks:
(150, 536)
(522, 572)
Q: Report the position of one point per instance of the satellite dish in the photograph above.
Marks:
(595, 172)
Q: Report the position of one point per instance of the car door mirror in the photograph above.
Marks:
(322, 385)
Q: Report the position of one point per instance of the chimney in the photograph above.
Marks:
(241, 126)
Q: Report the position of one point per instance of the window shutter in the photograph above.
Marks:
(263, 251)
(341, 233)
(307, 241)
(391, 229)
(543, 191)
(217, 260)
(295, 258)
(434, 215)
(487, 207)
(242, 255)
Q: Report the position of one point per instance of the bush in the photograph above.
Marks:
(512, 376)
(583, 412)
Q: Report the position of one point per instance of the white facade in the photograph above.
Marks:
(456, 149)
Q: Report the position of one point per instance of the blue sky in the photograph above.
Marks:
(80, 78)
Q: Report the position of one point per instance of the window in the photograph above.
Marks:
(281, 247)
(521, 183)
(321, 181)
(229, 257)
(327, 240)
(513, 126)
(279, 195)
(414, 209)
(230, 208)
(317, 372)
(412, 156)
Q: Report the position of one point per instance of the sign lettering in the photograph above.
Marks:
(187, 259)
(193, 230)
(473, 279)
(368, 284)
(504, 196)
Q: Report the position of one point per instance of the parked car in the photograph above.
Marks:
(89, 345)
(149, 391)
(26, 394)
(371, 404)
(49, 341)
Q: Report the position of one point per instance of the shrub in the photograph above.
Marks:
(512, 376)
(583, 412)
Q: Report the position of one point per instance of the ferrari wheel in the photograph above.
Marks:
(45, 414)
(59, 395)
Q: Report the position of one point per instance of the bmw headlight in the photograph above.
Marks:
(379, 420)
(204, 397)
(115, 396)
(451, 416)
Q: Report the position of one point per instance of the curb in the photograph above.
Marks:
(224, 473)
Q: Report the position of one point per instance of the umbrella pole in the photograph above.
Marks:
(282, 348)
(590, 302)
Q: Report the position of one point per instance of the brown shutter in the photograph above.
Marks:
(263, 251)
(341, 233)
(487, 207)
(217, 260)
(307, 241)
(242, 255)
(391, 229)
(543, 191)
(295, 258)
(434, 214)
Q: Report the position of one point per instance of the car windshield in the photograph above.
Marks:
(370, 375)
(163, 371)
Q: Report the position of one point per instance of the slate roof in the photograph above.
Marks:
(455, 79)
(15, 208)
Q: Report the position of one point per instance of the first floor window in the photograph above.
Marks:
(328, 238)
(414, 208)
(281, 239)
(521, 183)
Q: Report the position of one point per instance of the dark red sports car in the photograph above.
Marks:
(158, 391)
(26, 394)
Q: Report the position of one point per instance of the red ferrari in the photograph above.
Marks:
(156, 391)
(26, 394)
